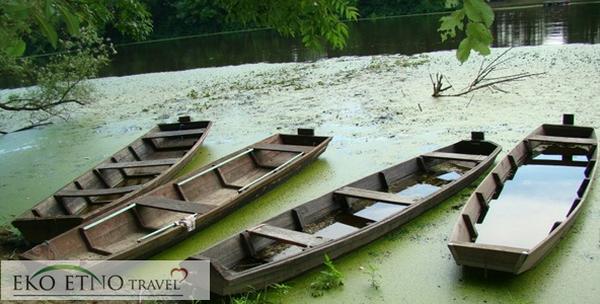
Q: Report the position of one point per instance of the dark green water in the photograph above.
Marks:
(406, 35)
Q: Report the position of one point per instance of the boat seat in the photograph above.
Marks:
(374, 195)
(283, 148)
(177, 133)
(97, 192)
(563, 140)
(287, 236)
(170, 204)
(139, 164)
(456, 156)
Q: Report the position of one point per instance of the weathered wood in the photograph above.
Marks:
(139, 164)
(456, 156)
(282, 148)
(483, 204)
(169, 204)
(237, 269)
(130, 168)
(545, 139)
(470, 227)
(178, 133)
(563, 140)
(374, 195)
(147, 225)
(97, 192)
(287, 236)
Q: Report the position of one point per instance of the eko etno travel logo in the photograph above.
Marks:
(105, 280)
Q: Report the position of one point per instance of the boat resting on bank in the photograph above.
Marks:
(529, 200)
(173, 211)
(145, 163)
(345, 219)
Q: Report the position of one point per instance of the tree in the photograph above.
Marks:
(475, 18)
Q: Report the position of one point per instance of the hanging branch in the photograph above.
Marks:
(482, 79)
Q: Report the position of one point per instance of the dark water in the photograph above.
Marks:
(406, 35)
(528, 206)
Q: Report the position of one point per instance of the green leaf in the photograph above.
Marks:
(479, 11)
(47, 29)
(451, 3)
(15, 48)
(480, 38)
(71, 20)
(449, 24)
(464, 50)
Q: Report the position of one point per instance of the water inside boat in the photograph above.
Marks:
(529, 204)
(361, 212)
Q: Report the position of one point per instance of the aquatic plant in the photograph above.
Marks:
(260, 296)
(374, 276)
(328, 279)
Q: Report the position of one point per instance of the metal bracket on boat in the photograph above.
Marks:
(270, 172)
(306, 132)
(568, 119)
(189, 222)
(184, 119)
(213, 167)
(477, 136)
(102, 220)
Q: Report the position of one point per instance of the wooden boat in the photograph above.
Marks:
(173, 211)
(147, 162)
(345, 219)
(528, 202)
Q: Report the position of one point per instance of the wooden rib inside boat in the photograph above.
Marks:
(144, 164)
(173, 211)
(528, 202)
(345, 219)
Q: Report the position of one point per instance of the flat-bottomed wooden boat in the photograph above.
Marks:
(528, 202)
(147, 162)
(175, 210)
(345, 219)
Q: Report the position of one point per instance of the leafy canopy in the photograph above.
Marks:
(478, 17)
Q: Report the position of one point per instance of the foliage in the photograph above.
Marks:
(60, 77)
(374, 276)
(315, 21)
(260, 296)
(26, 22)
(478, 17)
(378, 8)
(330, 278)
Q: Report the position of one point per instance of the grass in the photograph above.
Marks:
(374, 276)
(260, 296)
(328, 279)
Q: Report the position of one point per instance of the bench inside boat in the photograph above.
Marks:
(198, 193)
(126, 171)
(348, 209)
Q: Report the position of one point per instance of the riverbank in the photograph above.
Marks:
(379, 110)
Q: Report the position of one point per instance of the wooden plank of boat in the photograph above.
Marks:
(477, 243)
(374, 195)
(130, 172)
(176, 133)
(139, 164)
(346, 219)
(176, 209)
(96, 192)
(287, 236)
(563, 140)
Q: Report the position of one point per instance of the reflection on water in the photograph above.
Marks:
(404, 35)
(529, 204)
